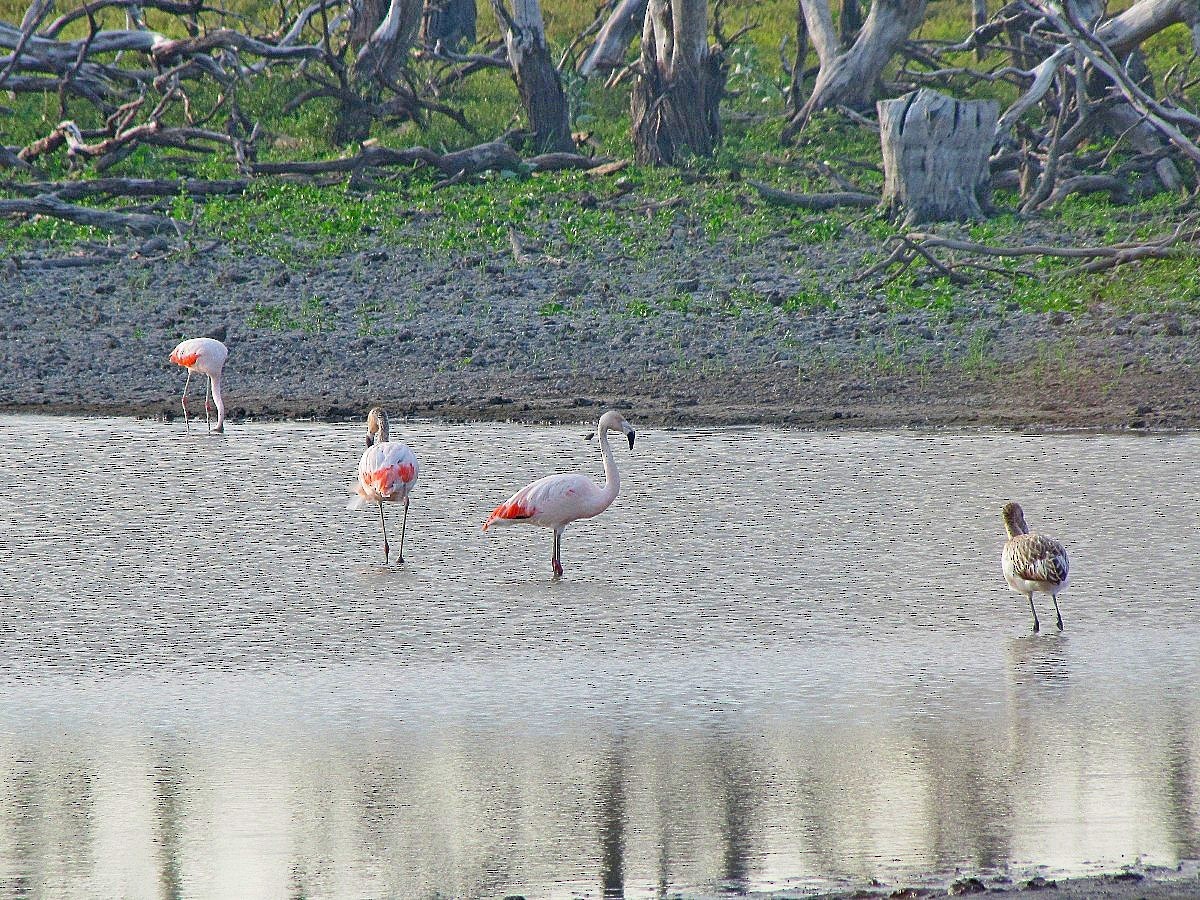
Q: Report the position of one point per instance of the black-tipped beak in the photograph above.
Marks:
(631, 436)
(368, 440)
(589, 435)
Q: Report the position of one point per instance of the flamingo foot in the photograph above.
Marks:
(557, 566)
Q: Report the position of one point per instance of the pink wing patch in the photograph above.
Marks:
(510, 509)
(390, 479)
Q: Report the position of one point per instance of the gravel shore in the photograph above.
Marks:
(545, 339)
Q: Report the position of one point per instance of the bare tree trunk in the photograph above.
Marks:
(450, 22)
(1125, 32)
(935, 156)
(534, 72)
(386, 51)
(365, 16)
(612, 43)
(850, 78)
(676, 97)
(850, 22)
(979, 17)
(796, 82)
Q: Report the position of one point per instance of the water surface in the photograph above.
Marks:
(781, 660)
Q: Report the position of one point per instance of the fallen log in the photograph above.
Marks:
(128, 187)
(494, 155)
(1093, 259)
(107, 220)
(820, 201)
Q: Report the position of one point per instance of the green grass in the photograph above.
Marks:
(303, 225)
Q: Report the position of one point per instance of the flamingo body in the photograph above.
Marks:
(555, 501)
(206, 356)
(387, 473)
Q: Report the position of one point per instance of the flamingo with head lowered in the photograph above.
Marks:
(558, 500)
(387, 472)
(206, 356)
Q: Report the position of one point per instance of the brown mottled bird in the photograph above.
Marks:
(1032, 563)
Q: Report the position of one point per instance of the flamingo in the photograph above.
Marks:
(387, 471)
(558, 500)
(1033, 563)
(207, 356)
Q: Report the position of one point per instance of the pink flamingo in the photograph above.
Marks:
(207, 356)
(558, 500)
(387, 471)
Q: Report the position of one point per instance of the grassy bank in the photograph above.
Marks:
(306, 225)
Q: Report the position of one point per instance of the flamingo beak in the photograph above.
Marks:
(630, 434)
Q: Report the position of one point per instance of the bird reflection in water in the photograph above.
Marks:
(1038, 664)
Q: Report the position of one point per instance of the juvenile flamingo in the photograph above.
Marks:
(206, 356)
(1033, 563)
(387, 471)
(558, 500)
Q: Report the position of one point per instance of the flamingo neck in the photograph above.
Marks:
(219, 400)
(612, 478)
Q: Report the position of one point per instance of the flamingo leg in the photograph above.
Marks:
(383, 525)
(403, 526)
(207, 406)
(187, 381)
(1056, 612)
(555, 560)
(1037, 626)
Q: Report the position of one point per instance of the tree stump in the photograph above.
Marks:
(935, 156)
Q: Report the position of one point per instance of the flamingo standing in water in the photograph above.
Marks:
(558, 500)
(206, 356)
(1032, 563)
(387, 471)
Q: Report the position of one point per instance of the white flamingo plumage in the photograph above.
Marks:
(558, 500)
(206, 356)
(386, 473)
(1033, 563)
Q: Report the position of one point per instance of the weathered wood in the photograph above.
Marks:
(533, 70)
(850, 21)
(822, 201)
(107, 220)
(850, 78)
(472, 160)
(128, 187)
(386, 51)
(676, 97)
(612, 43)
(557, 162)
(935, 156)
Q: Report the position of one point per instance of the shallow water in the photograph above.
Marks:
(782, 659)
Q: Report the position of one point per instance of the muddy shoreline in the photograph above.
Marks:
(1136, 402)
(706, 333)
